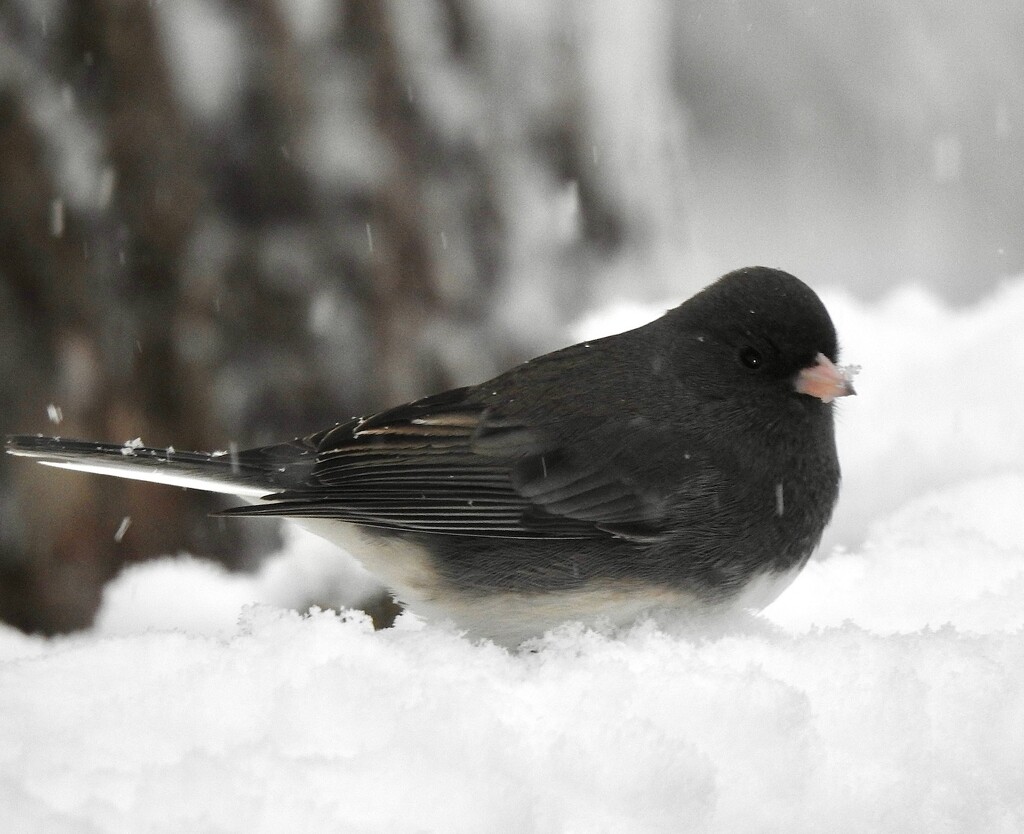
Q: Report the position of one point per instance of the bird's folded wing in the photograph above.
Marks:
(447, 465)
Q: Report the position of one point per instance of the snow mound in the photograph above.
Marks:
(866, 709)
(202, 597)
(954, 557)
(938, 400)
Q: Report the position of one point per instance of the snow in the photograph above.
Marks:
(881, 692)
(206, 53)
(130, 446)
(202, 597)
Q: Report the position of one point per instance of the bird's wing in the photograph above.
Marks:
(447, 464)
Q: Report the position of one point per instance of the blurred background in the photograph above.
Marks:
(237, 221)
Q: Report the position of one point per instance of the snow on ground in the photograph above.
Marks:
(881, 692)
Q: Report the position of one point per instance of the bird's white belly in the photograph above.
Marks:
(509, 618)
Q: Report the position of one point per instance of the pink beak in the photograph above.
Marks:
(824, 380)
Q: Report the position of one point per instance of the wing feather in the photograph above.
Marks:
(447, 465)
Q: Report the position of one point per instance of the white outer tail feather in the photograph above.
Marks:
(218, 473)
(170, 478)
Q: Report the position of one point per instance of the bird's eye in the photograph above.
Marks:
(751, 358)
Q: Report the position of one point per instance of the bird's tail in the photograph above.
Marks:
(250, 473)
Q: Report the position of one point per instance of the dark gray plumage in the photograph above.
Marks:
(675, 465)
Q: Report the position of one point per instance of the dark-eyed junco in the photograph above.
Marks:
(688, 464)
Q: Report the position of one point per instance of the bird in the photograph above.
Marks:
(684, 467)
